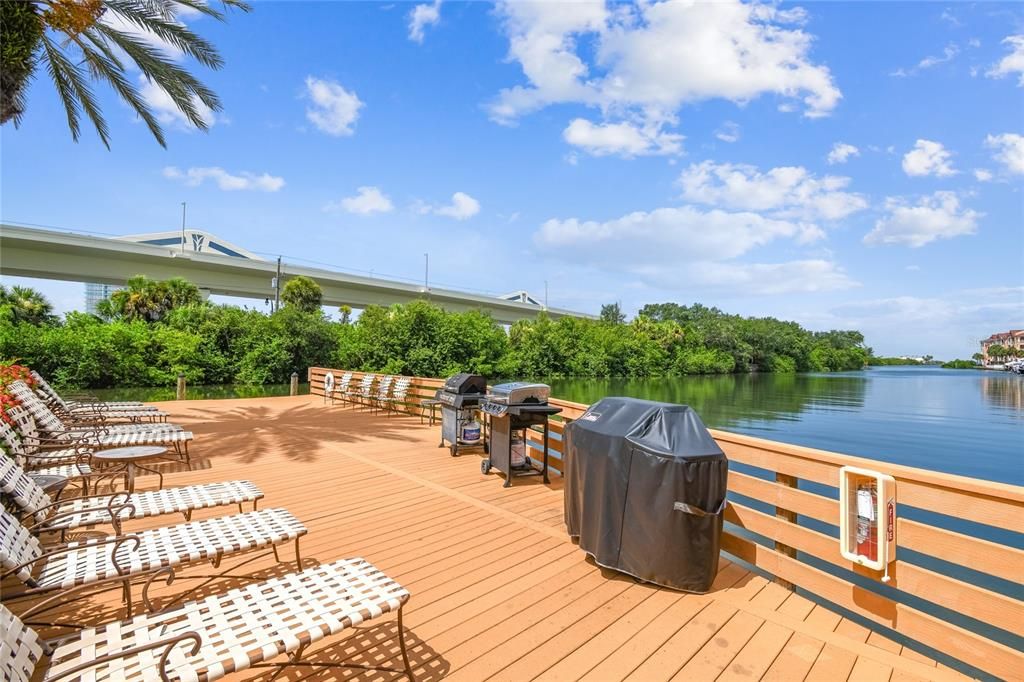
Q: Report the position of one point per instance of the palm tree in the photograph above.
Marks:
(27, 305)
(149, 300)
(82, 41)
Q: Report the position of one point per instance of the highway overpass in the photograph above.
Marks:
(47, 254)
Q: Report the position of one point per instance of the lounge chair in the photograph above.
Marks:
(110, 411)
(107, 436)
(99, 564)
(71, 463)
(398, 395)
(89, 510)
(77, 422)
(222, 634)
(383, 391)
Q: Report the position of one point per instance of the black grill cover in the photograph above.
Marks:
(645, 489)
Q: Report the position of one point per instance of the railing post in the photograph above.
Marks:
(181, 387)
(790, 517)
(294, 388)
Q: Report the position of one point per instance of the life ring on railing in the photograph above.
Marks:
(328, 385)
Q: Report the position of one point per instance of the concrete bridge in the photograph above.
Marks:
(47, 254)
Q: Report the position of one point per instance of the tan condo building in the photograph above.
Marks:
(1011, 339)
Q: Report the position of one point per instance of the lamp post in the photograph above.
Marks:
(183, 227)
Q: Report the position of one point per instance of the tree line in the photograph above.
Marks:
(150, 331)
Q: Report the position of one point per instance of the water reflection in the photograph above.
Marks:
(968, 422)
(1004, 390)
(732, 400)
(219, 392)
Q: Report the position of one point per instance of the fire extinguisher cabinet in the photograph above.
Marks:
(867, 518)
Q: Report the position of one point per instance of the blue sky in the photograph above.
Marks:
(844, 165)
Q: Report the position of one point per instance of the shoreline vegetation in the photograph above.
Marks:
(150, 331)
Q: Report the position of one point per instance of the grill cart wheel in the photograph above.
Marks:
(485, 466)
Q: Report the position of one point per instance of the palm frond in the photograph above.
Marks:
(75, 84)
(64, 89)
(182, 87)
(104, 65)
(141, 14)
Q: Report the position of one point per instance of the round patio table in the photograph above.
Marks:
(130, 459)
(52, 484)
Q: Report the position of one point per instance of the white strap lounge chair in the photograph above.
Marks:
(43, 385)
(364, 393)
(205, 640)
(118, 435)
(49, 420)
(398, 395)
(71, 463)
(127, 411)
(90, 510)
(98, 564)
(342, 387)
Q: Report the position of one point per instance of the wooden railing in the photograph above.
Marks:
(951, 590)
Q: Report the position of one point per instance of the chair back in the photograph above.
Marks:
(401, 389)
(384, 387)
(47, 391)
(343, 384)
(44, 416)
(22, 490)
(366, 385)
(17, 546)
(20, 648)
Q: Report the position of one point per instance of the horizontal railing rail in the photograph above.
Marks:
(956, 585)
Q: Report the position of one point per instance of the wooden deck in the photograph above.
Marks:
(498, 590)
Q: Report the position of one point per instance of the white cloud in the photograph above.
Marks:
(949, 53)
(334, 109)
(462, 207)
(1009, 151)
(195, 176)
(1012, 63)
(367, 200)
(928, 158)
(938, 216)
(790, 191)
(728, 132)
(982, 175)
(623, 139)
(686, 246)
(166, 111)
(422, 16)
(651, 59)
(841, 152)
(947, 325)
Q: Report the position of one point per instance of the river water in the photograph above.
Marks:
(968, 422)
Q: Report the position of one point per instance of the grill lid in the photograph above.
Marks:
(464, 382)
(520, 393)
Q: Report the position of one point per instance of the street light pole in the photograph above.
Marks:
(277, 286)
(426, 272)
(183, 227)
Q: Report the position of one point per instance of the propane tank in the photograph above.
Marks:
(471, 432)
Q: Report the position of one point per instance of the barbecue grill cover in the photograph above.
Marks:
(645, 490)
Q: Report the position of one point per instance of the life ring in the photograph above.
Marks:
(328, 384)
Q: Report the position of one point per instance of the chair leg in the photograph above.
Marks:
(298, 557)
(401, 643)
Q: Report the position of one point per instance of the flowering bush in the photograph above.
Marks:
(9, 373)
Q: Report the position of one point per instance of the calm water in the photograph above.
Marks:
(968, 422)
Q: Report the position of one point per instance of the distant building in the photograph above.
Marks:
(196, 241)
(523, 297)
(1011, 339)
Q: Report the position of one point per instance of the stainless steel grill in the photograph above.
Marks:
(513, 409)
(460, 400)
